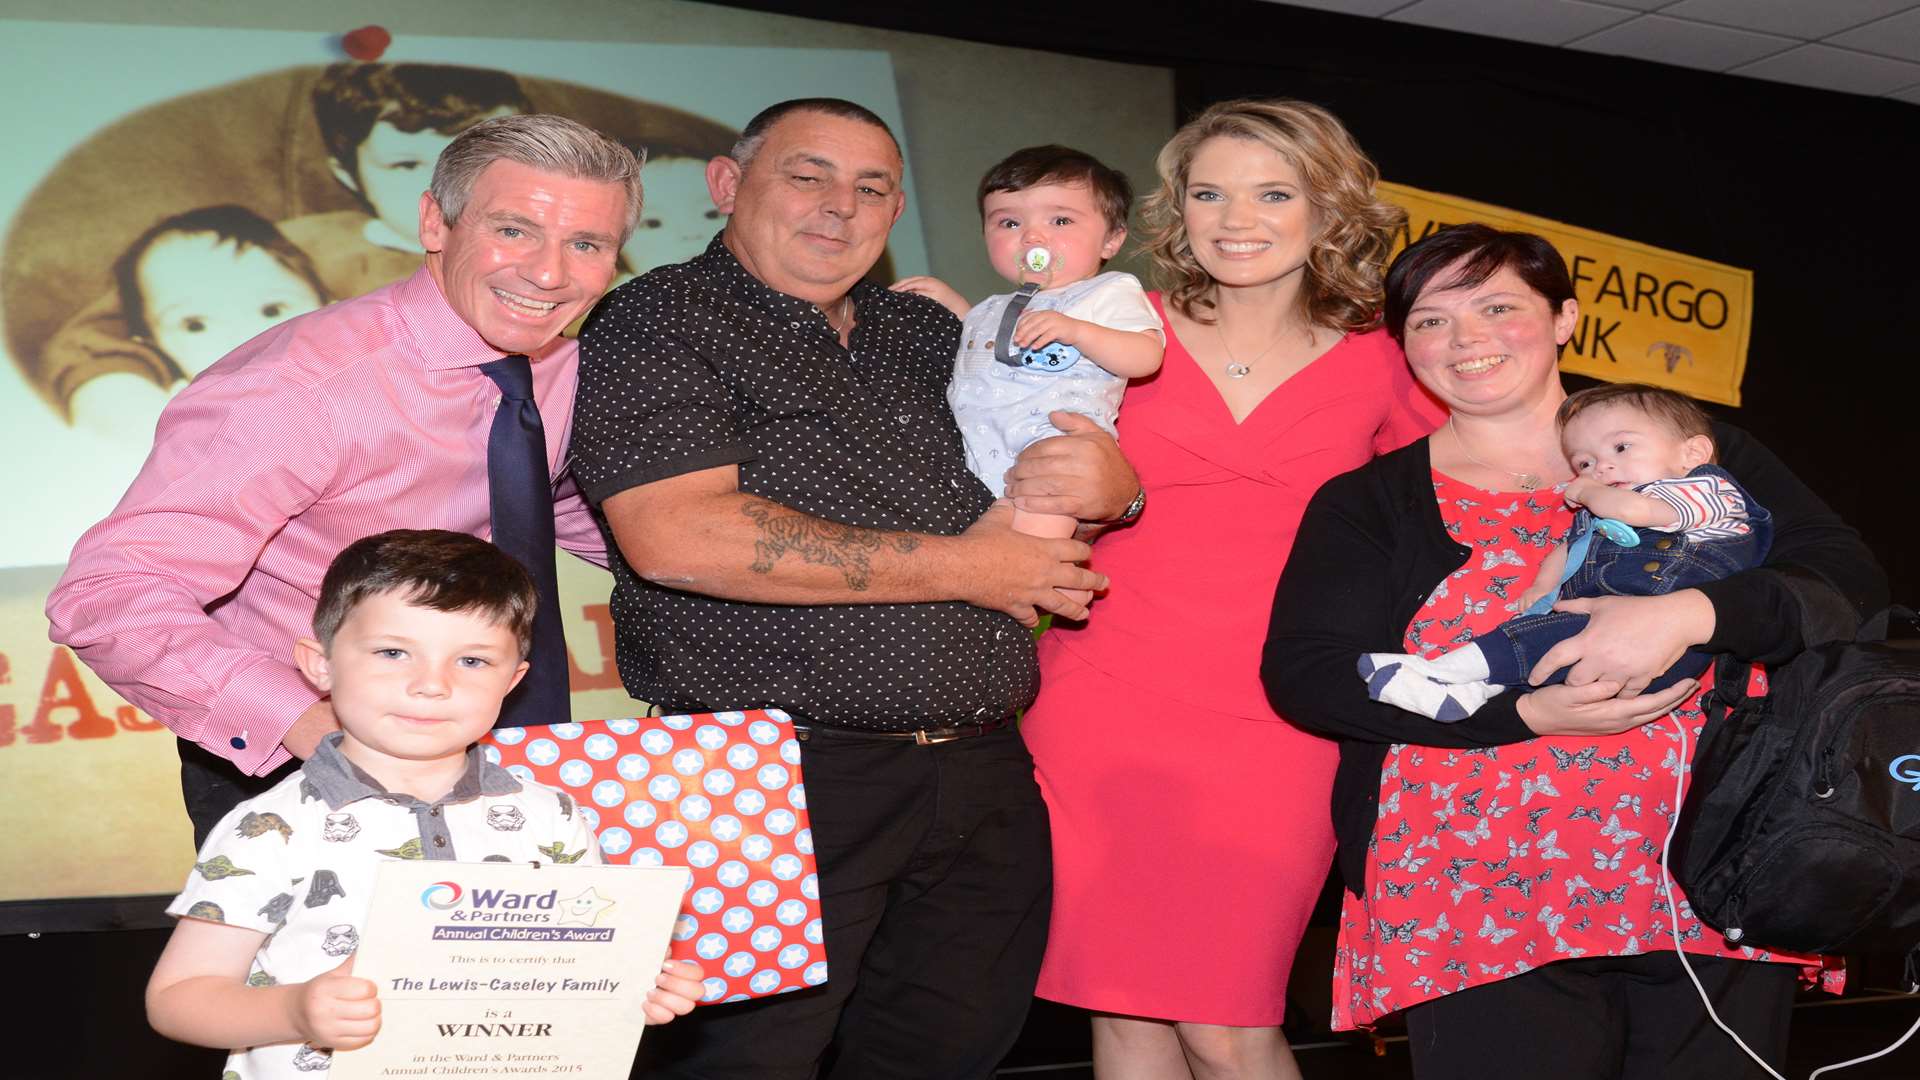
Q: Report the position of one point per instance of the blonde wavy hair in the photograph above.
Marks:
(1347, 262)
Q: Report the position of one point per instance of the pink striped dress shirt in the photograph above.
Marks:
(367, 415)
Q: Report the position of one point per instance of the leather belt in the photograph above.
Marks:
(921, 737)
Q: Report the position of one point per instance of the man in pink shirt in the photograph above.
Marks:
(371, 414)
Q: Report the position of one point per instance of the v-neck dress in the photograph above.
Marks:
(1191, 830)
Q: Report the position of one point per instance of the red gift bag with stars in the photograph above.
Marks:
(718, 793)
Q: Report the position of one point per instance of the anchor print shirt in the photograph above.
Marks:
(297, 864)
(1488, 863)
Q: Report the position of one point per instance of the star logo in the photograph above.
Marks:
(582, 910)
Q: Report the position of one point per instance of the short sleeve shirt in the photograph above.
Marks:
(1002, 409)
(700, 365)
(298, 862)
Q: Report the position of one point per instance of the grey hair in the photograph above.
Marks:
(539, 140)
(754, 135)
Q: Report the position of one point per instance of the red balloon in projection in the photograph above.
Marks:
(366, 43)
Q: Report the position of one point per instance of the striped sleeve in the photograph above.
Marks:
(1703, 503)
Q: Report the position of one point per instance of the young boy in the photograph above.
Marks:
(1052, 218)
(197, 285)
(384, 126)
(192, 288)
(679, 218)
(1643, 458)
(418, 636)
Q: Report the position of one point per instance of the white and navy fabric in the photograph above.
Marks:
(1721, 532)
(699, 365)
(297, 864)
(1001, 409)
(1710, 503)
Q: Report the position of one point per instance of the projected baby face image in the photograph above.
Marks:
(394, 168)
(678, 218)
(204, 296)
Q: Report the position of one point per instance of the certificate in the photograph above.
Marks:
(508, 969)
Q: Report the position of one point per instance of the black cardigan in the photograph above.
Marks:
(1372, 546)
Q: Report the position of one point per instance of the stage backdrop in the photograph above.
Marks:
(133, 124)
(225, 119)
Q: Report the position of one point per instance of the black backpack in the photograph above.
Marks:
(1801, 829)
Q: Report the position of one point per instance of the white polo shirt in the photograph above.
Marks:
(297, 864)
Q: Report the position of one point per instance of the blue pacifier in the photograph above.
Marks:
(1617, 531)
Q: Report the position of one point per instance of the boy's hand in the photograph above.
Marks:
(936, 290)
(336, 1010)
(1580, 491)
(676, 990)
(1532, 595)
(1037, 328)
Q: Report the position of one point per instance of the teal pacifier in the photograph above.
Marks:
(1617, 531)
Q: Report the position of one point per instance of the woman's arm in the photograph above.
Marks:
(1771, 613)
(1339, 597)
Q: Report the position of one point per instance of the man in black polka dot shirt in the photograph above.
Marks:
(769, 440)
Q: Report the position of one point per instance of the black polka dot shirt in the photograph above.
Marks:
(700, 365)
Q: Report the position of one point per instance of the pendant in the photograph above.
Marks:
(1239, 371)
(1528, 481)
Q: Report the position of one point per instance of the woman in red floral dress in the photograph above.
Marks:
(1503, 873)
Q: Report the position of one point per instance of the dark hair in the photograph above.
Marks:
(1676, 410)
(430, 568)
(351, 97)
(228, 224)
(1056, 164)
(756, 130)
(1486, 251)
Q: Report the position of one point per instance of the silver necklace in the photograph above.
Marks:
(844, 322)
(1235, 369)
(1527, 481)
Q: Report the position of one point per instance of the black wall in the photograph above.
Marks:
(1813, 191)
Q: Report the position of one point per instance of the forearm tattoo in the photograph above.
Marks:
(849, 548)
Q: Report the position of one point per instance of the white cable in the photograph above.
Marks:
(1673, 916)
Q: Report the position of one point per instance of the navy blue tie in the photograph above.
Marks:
(522, 493)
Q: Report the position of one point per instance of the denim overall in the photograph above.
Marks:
(1658, 564)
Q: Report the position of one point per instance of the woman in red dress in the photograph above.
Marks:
(1189, 824)
(1503, 874)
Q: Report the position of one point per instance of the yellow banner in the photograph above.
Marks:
(1646, 314)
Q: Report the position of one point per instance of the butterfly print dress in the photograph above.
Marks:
(1486, 864)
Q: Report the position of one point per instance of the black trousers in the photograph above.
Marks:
(1608, 1018)
(211, 786)
(936, 884)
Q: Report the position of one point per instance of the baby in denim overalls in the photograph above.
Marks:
(1656, 515)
